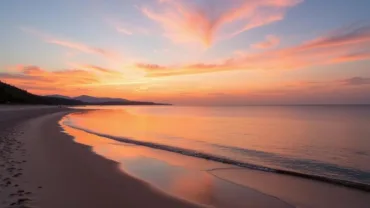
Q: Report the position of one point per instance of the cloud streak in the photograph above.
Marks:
(98, 69)
(351, 35)
(183, 21)
(270, 42)
(80, 77)
(81, 47)
(84, 48)
(329, 49)
(355, 56)
(123, 30)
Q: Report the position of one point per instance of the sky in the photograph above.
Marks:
(190, 52)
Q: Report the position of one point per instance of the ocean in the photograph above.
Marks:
(327, 143)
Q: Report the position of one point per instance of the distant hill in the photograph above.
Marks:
(13, 95)
(60, 96)
(90, 100)
(95, 100)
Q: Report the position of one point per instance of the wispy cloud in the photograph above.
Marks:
(270, 42)
(330, 91)
(84, 48)
(8, 76)
(355, 56)
(347, 82)
(183, 21)
(123, 30)
(329, 49)
(350, 35)
(151, 67)
(40, 81)
(127, 28)
(98, 69)
(79, 77)
(81, 47)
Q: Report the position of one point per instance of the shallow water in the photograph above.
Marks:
(184, 177)
(328, 141)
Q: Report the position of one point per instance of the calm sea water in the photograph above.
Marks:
(328, 141)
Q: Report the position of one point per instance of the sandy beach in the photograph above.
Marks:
(185, 103)
(44, 165)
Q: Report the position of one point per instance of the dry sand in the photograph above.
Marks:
(42, 167)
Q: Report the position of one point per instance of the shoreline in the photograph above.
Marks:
(177, 175)
(56, 169)
(58, 172)
(143, 156)
(186, 152)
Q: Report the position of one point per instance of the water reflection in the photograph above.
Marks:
(330, 142)
(178, 175)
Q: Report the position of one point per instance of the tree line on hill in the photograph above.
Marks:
(12, 95)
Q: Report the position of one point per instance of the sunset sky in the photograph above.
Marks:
(219, 52)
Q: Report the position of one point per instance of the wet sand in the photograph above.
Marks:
(217, 184)
(42, 167)
(181, 176)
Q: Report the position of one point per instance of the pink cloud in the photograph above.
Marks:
(81, 47)
(357, 56)
(150, 67)
(270, 42)
(84, 48)
(329, 49)
(186, 22)
(98, 69)
(124, 30)
(344, 36)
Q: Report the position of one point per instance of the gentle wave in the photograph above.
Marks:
(225, 160)
(302, 165)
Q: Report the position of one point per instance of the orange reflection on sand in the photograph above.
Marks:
(190, 183)
(180, 175)
(202, 182)
(198, 131)
(116, 150)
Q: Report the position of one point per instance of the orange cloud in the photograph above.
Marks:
(98, 69)
(150, 67)
(351, 90)
(155, 70)
(186, 22)
(64, 77)
(352, 57)
(39, 80)
(270, 42)
(330, 49)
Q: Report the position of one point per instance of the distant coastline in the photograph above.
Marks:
(11, 95)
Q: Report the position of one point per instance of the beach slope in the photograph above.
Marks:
(42, 167)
